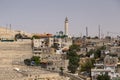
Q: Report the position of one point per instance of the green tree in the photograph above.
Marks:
(73, 63)
(73, 58)
(103, 77)
(18, 36)
(64, 36)
(97, 53)
(74, 48)
(36, 59)
(27, 62)
(35, 37)
(88, 65)
(72, 68)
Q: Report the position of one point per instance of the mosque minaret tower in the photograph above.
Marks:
(66, 26)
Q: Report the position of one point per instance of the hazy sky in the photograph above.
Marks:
(48, 15)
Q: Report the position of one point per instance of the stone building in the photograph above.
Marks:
(109, 66)
(63, 42)
(110, 61)
(42, 45)
(53, 62)
(115, 50)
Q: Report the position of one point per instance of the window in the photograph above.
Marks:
(53, 68)
(106, 61)
(39, 49)
(113, 61)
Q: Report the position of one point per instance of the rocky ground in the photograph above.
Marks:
(12, 55)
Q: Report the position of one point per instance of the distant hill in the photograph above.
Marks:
(7, 33)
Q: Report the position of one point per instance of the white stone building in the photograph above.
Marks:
(109, 66)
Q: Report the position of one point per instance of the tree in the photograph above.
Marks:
(73, 63)
(27, 62)
(64, 36)
(18, 36)
(73, 58)
(72, 68)
(96, 37)
(88, 37)
(97, 53)
(35, 37)
(36, 59)
(87, 66)
(74, 48)
(103, 77)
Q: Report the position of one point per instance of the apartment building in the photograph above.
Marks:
(42, 45)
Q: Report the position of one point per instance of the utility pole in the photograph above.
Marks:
(10, 27)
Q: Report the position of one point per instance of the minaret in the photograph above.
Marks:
(86, 31)
(99, 31)
(66, 26)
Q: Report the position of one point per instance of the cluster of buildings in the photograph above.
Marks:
(52, 49)
(110, 64)
(109, 61)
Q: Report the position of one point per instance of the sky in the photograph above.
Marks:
(48, 16)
